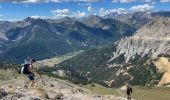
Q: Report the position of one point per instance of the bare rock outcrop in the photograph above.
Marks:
(153, 38)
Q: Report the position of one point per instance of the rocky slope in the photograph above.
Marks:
(163, 66)
(153, 39)
(12, 87)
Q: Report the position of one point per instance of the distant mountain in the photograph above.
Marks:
(130, 60)
(7, 26)
(138, 19)
(42, 39)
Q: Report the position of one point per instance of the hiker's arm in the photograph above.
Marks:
(30, 69)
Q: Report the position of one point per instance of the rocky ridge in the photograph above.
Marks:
(152, 38)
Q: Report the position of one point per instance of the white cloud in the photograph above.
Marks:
(142, 8)
(129, 1)
(122, 1)
(84, 4)
(164, 1)
(1, 15)
(126, 1)
(72, 0)
(149, 1)
(103, 12)
(37, 16)
(120, 11)
(146, 0)
(30, 1)
(36, 1)
(11, 20)
(79, 14)
(0, 6)
(60, 13)
(115, 1)
(90, 9)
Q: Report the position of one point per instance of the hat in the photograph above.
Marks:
(33, 60)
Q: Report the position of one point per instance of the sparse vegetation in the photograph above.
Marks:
(139, 93)
(95, 63)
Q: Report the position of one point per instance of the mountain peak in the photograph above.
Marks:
(94, 17)
(28, 19)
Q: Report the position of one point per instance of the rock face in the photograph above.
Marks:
(153, 38)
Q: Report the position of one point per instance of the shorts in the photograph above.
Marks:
(31, 77)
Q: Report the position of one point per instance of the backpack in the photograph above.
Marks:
(24, 69)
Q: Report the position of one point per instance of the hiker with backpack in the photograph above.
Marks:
(28, 70)
(129, 91)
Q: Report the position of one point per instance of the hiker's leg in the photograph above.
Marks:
(128, 97)
(27, 82)
(32, 83)
(32, 79)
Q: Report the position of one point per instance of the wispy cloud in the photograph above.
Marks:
(60, 13)
(122, 1)
(36, 1)
(91, 9)
(164, 1)
(84, 4)
(103, 12)
(11, 20)
(37, 16)
(129, 1)
(143, 8)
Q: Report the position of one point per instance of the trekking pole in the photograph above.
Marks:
(42, 80)
(41, 75)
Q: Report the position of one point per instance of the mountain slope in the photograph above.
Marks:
(43, 39)
(129, 60)
(152, 38)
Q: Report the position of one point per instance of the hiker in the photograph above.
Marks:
(129, 92)
(29, 71)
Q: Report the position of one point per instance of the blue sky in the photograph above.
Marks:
(19, 9)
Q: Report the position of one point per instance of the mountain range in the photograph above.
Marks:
(45, 38)
(129, 60)
(137, 19)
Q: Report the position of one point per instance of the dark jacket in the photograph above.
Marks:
(129, 90)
